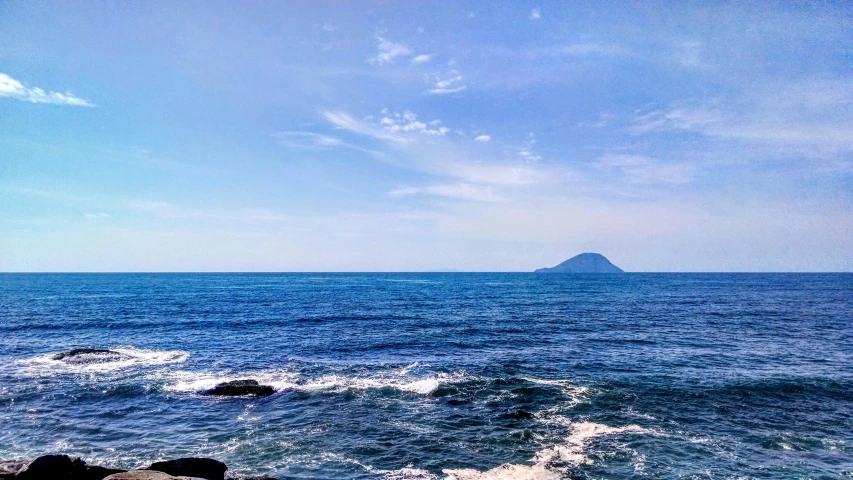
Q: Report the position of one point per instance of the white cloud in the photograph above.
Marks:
(408, 122)
(9, 87)
(460, 191)
(388, 51)
(421, 59)
(96, 216)
(534, 14)
(448, 85)
(482, 138)
(638, 169)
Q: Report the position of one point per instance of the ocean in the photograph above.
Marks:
(437, 375)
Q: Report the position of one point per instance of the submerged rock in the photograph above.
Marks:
(239, 388)
(206, 468)
(89, 355)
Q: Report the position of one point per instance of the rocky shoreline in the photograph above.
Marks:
(63, 467)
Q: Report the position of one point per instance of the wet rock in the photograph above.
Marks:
(89, 355)
(8, 468)
(519, 415)
(240, 388)
(206, 468)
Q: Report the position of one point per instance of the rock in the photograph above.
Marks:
(95, 473)
(49, 466)
(584, 263)
(239, 388)
(206, 468)
(89, 355)
(9, 468)
(518, 415)
(147, 475)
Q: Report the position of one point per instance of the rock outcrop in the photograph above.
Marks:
(63, 467)
(238, 388)
(89, 355)
(53, 467)
(584, 263)
(205, 468)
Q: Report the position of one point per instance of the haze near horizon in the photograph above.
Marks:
(374, 136)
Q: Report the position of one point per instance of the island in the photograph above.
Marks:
(584, 263)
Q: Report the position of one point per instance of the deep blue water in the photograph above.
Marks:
(423, 375)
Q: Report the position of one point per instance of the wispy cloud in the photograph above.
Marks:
(526, 152)
(638, 169)
(425, 148)
(421, 59)
(534, 14)
(460, 191)
(9, 87)
(447, 85)
(96, 216)
(388, 51)
(807, 119)
(306, 140)
(482, 138)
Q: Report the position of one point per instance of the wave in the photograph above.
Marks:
(129, 358)
(549, 463)
(401, 380)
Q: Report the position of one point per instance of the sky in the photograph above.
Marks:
(425, 136)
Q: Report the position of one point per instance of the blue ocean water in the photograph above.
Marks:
(430, 376)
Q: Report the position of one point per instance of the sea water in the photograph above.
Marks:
(433, 376)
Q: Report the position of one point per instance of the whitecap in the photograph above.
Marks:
(548, 463)
(280, 380)
(131, 357)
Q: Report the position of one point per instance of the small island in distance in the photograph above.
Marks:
(584, 263)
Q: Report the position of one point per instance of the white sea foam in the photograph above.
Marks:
(131, 357)
(548, 463)
(402, 380)
(576, 393)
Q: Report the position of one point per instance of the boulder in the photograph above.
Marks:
(206, 468)
(49, 466)
(89, 355)
(239, 388)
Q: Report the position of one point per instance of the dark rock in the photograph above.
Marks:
(95, 473)
(58, 467)
(89, 355)
(206, 468)
(519, 415)
(239, 388)
(584, 263)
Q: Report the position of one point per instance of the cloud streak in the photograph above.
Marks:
(9, 87)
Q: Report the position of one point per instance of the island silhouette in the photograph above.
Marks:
(584, 263)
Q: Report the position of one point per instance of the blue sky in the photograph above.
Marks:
(385, 136)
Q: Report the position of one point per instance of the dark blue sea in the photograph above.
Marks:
(434, 376)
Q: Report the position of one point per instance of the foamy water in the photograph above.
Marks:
(131, 358)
